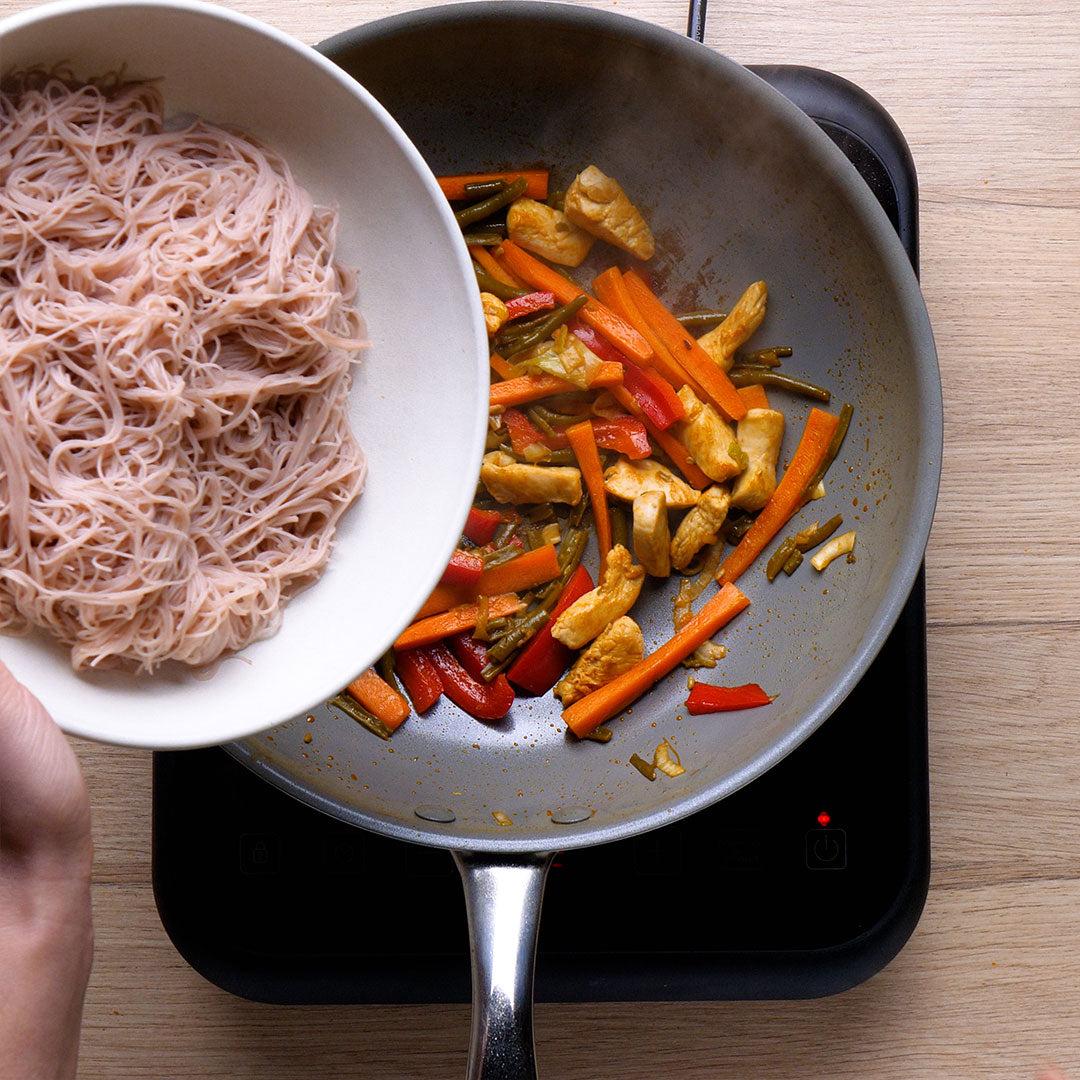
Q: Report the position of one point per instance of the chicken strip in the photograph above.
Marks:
(743, 319)
(700, 527)
(616, 650)
(599, 205)
(627, 479)
(761, 431)
(616, 594)
(547, 232)
(508, 480)
(709, 438)
(652, 535)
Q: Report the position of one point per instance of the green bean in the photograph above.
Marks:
(526, 627)
(387, 669)
(694, 319)
(571, 549)
(554, 320)
(646, 768)
(766, 357)
(556, 199)
(779, 557)
(540, 512)
(600, 734)
(485, 238)
(846, 412)
(540, 421)
(486, 207)
(808, 540)
(492, 285)
(578, 512)
(533, 537)
(735, 527)
(748, 374)
(552, 457)
(358, 713)
(501, 554)
(503, 533)
(481, 189)
(620, 527)
(556, 420)
(793, 563)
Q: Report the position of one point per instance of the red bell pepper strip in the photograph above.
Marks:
(464, 568)
(705, 698)
(483, 701)
(654, 394)
(528, 304)
(523, 434)
(473, 654)
(419, 676)
(481, 525)
(541, 663)
(624, 434)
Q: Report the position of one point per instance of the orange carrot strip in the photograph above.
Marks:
(583, 443)
(697, 362)
(589, 712)
(526, 571)
(453, 187)
(462, 617)
(500, 366)
(380, 699)
(611, 289)
(602, 319)
(492, 265)
(754, 396)
(525, 388)
(671, 446)
(786, 499)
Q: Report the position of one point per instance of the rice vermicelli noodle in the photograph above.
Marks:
(175, 350)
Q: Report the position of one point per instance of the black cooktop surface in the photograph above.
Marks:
(804, 883)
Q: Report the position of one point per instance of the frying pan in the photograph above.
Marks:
(738, 185)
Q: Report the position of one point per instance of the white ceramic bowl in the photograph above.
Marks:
(418, 405)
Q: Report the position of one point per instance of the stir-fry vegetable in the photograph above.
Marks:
(609, 421)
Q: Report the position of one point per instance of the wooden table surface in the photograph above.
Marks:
(988, 95)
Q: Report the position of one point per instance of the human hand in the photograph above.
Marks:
(46, 937)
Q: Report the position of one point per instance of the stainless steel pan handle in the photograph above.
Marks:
(503, 895)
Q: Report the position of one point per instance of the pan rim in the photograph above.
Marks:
(871, 219)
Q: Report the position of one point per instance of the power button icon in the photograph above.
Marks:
(826, 849)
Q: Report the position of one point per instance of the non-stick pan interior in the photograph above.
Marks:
(738, 185)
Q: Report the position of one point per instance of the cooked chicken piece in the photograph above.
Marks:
(509, 480)
(627, 479)
(700, 527)
(548, 232)
(652, 536)
(709, 438)
(761, 431)
(743, 319)
(598, 204)
(616, 594)
(616, 650)
(495, 312)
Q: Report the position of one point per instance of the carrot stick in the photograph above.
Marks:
(583, 443)
(611, 290)
(754, 396)
(525, 388)
(500, 366)
(492, 265)
(462, 617)
(786, 499)
(379, 698)
(589, 712)
(453, 187)
(525, 571)
(691, 356)
(602, 319)
(674, 449)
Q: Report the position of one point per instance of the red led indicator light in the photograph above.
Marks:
(823, 819)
